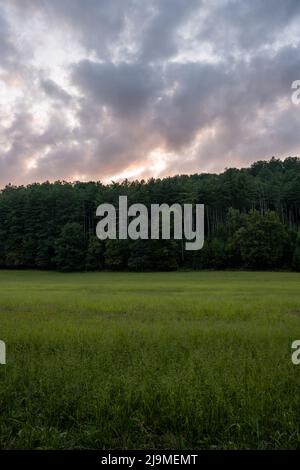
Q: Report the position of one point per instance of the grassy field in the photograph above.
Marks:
(171, 360)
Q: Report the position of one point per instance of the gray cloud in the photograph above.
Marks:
(7, 49)
(243, 26)
(125, 88)
(206, 83)
(54, 91)
(160, 40)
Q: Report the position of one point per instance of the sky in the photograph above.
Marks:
(108, 90)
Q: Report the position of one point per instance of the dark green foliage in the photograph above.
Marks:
(262, 240)
(70, 248)
(32, 220)
(94, 255)
(116, 254)
(141, 256)
(296, 257)
(213, 255)
(164, 255)
(45, 256)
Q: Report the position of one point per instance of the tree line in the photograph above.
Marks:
(252, 220)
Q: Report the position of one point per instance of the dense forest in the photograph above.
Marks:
(252, 221)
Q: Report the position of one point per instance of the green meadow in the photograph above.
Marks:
(178, 360)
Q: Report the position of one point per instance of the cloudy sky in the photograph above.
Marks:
(98, 89)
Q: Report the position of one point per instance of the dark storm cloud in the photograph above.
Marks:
(160, 39)
(245, 107)
(208, 82)
(8, 52)
(96, 24)
(236, 25)
(54, 91)
(126, 88)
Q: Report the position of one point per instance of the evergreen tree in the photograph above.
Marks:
(32, 220)
(116, 254)
(296, 257)
(262, 241)
(70, 248)
(94, 255)
(141, 256)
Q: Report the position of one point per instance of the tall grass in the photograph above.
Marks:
(171, 360)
